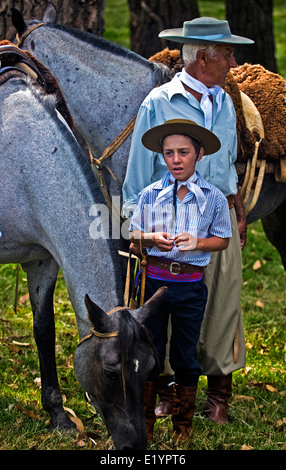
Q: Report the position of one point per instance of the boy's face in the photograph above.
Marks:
(180, 156)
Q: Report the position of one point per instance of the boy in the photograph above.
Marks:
(179, 219)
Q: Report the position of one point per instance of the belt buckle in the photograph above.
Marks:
(175, 265)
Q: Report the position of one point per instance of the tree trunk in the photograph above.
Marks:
(84, 15)
(253, 19)
(149, 17)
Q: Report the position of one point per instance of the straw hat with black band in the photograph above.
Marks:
(204, 30)
(152, 139)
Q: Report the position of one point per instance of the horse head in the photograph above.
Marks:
(112, 365)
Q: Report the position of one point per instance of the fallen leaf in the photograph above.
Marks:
(86, 438)
(270, 388)
(245, 447)
(38, 382)
(81, 443)
(28, 413)
(24, 298)
(69, 410)
(15, 386)
(21, 344)
(280, 422)
(14, 349)
(257, 265)
(259, 304)
(79, 423)
(242, 398)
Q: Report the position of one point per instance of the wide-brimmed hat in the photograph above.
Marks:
(152, 139)
(204, 30)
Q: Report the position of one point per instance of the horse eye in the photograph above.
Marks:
(111, 374)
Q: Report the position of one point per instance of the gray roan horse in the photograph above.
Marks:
(104, 85)
(47, 191)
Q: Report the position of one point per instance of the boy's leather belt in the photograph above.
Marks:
(174, 267)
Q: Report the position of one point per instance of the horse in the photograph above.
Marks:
(104, 85)
(48, 199)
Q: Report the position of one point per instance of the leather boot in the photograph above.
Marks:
(183, 411)
(150, 395)
(166, 396)
(218, 394)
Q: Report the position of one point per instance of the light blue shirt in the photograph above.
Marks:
(153, 213)
(172, 101)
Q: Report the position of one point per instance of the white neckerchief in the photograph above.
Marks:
(192, 187)
(205, 103)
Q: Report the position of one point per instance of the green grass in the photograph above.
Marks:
(257, 408)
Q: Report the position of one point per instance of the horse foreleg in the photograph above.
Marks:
(42, 276)
(274, 226)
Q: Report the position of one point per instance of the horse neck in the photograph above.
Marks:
(93, 71)
(57, 190)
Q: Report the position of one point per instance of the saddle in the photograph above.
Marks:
(13, 58)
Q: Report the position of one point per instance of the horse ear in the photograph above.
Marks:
(96, 315)
(150, 306)
(50, 15)
(18, 21)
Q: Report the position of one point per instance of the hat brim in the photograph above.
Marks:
(152, 139)
(176, 35)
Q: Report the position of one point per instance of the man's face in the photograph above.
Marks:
(217, 68)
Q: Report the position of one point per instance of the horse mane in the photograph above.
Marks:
(99, 42)
(131, 333)
(162, 73)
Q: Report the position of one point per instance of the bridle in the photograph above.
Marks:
(112, 334)
(21, 39)
(93, 332)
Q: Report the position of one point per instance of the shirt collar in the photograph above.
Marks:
(176, 87)
(165, 182)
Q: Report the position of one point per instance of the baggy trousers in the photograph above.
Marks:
(221, 346)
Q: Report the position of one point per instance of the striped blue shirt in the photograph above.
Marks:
(153, 215)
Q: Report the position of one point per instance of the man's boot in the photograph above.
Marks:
(183, 411)
(150, 395)
(166, 396)
(218, 394)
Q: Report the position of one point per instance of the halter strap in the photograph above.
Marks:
(21, 39)
(93, 332)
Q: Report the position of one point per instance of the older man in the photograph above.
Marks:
(196, 94)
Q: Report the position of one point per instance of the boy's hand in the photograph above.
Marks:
(185, 241)
(162, 240)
